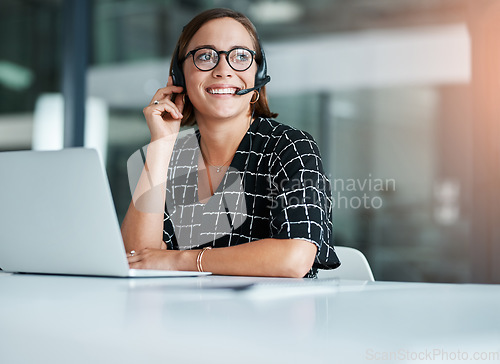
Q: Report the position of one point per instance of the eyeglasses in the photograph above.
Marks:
(206, 59)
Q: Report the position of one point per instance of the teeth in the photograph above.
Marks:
(222, 91)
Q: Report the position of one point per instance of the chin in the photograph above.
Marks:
(226, 112)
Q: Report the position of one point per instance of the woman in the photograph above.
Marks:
(278, 222)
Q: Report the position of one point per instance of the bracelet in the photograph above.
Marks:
(200, 255)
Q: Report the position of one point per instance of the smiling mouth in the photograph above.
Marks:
(223, 91)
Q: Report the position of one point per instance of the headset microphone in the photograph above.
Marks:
(258, 85)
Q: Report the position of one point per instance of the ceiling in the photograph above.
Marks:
(279, 18)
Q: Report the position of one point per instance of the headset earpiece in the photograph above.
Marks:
(177, 74)
(261, 77)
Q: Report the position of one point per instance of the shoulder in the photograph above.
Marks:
(286, 140)
(275, 128)
(281, 137)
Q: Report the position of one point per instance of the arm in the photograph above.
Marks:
(286, 252)
(142, 226)
(266, 257)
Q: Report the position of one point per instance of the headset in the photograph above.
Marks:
(261, 77)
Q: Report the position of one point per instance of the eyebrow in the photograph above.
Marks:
(214, 47)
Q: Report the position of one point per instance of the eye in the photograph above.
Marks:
(205, 56)
(241, 56)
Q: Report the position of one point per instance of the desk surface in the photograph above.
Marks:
(57, 319)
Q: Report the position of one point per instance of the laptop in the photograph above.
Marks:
(57, 217)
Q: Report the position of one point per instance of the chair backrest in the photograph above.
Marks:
(353, 266)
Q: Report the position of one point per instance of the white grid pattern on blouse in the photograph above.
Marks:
(275, 187)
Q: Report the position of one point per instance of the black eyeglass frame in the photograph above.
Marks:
(192, 52)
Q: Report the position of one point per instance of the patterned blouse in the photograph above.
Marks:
(275, 187)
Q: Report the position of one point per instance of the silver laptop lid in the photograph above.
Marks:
(57, 214)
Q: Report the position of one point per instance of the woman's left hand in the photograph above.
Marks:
(160, 259)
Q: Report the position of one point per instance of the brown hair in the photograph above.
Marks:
(261, 106)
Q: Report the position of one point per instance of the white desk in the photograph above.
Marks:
(51, 319)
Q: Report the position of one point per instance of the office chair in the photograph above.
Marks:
(353, 266)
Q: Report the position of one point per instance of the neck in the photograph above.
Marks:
(220, 138)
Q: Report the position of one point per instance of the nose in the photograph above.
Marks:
(222, 69)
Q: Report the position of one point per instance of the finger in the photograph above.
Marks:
(165, 92)
(135, 265)
(167, 106)
(180, 102)
(164, 106)
(133, 259)
(135, 255)
(170, 81)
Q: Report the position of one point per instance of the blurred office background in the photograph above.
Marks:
(402, 96)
